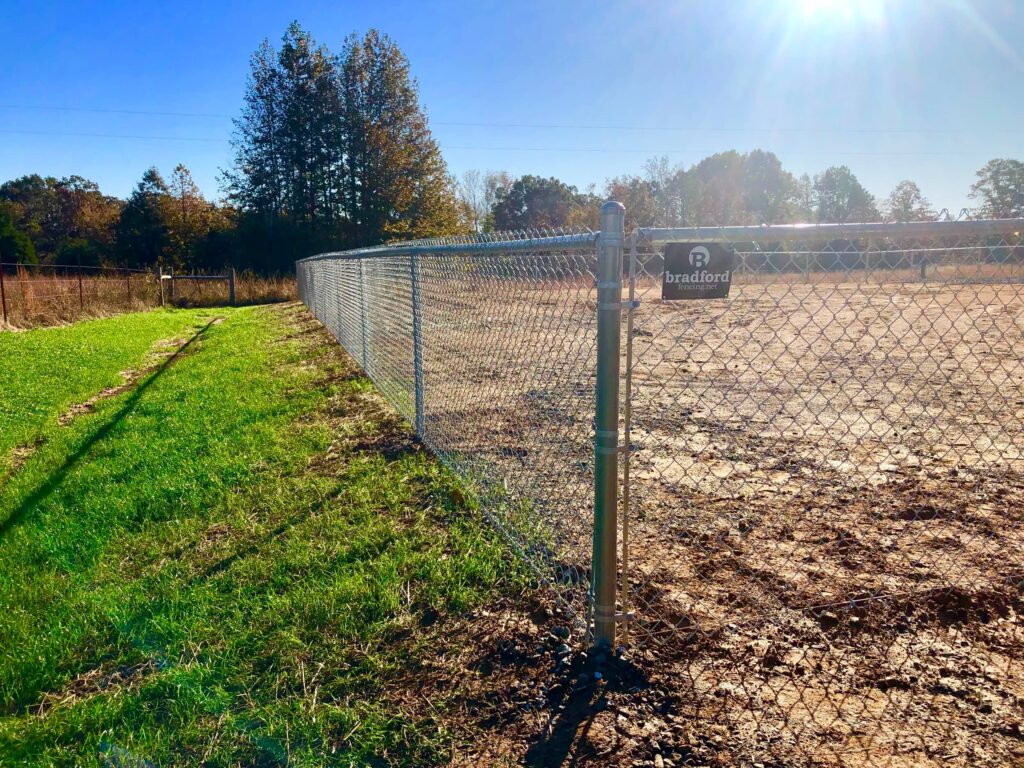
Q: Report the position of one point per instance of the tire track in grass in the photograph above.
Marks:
(262, 562)
(44, 372)
(57, 477)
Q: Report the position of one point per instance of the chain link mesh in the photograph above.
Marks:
(826, 490)
(506, 332)
(824, 486)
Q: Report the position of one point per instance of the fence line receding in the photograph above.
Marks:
(818, 478)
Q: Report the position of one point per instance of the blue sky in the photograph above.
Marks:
(921, 89)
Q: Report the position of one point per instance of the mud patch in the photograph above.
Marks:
(21, 454)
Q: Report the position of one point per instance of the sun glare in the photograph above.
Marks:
(846, 11)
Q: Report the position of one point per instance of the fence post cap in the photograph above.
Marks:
(612, 206)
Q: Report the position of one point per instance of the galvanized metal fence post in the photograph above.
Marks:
(417, 342)
(362, 316)
(3, 293)
(606, 421)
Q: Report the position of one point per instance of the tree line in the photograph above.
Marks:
(70, 221)
(725, 188)
(330, 151)
(334, 151)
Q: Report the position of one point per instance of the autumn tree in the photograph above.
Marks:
(479, 192)
(69, 220)
(1000, 188)
(907, 203)
(638, 195)
(195, 225)
(674, 191)
(470, 186)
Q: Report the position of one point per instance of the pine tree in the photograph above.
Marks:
(397, 181)
(310, 129)
(256, 181)
(142, 232)
(332, 152)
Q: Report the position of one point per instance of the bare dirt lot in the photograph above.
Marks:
(827, 493)
(825, 536)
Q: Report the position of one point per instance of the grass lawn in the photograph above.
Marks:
(224, 564)
(44, 372)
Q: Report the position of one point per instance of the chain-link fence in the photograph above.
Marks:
(486, 345)
(820, 463)
(827, 487)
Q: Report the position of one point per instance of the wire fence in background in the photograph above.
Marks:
(486, 345)
(34, 294)
(821, 468)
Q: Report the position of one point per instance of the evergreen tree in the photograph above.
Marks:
(15, 246)
(256, 182)
(397, 181)
(310, 113)
(142, 233)
(335, 152)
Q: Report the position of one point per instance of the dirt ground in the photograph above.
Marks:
(827, 493)
(827, 507)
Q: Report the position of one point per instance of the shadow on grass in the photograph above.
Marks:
(54, 480)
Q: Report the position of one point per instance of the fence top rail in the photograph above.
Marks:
(76, 267)
(195, 277)
(826, 232)
(500, 242)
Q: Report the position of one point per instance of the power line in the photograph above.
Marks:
(731, 129)
(597, 150)
(705, 151)
(564, 126)
(112, 111)
(114, 136)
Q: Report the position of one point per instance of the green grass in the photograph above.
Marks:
(44, 372)
(223, 566)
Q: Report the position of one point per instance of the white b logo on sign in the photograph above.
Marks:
(699, 257)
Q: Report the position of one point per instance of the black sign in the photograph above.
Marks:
(696, 271)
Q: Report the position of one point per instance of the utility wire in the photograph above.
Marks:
(113, 136)
(598, 150)
(565, 126)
